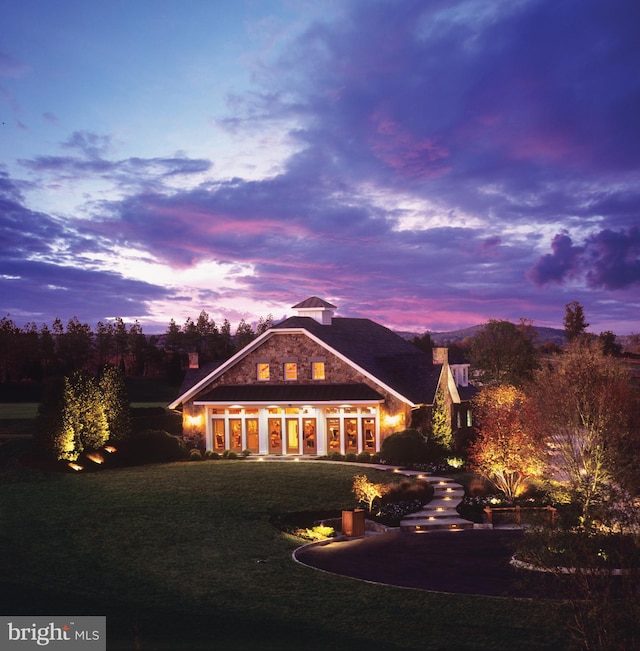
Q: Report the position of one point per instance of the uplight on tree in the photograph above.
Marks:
(506, 451)
(366, 491)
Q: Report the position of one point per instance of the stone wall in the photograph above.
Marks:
(301, 349)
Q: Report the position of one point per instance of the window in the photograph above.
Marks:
(317, 370)
(263, 370)
(290, 371)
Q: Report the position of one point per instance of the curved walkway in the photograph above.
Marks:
(452, 559)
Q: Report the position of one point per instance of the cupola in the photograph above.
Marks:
(317, 309)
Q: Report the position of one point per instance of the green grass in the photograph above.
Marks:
(18, 410)
(182, 556)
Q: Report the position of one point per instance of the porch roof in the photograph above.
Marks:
(289, 393)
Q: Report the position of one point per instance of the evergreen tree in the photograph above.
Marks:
(609, 345)
(72, 418)
(244, 334)
(441, 422)
(225, 339)
(574, 322)
(84, 412)
(115, 402)
(423, 343)
(264, 324)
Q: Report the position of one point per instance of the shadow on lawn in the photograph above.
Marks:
(179, 628)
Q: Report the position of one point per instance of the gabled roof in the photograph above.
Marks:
(388, 357)
(389, 360)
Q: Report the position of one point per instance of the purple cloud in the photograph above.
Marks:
(614, 259)
(608, 260)
(555, 267)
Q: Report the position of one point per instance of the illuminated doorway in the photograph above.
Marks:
(235, 431)
(275, 436)
(309, 436)
(351, 435)
(218, 435)
(293, 436)
(333, 435)
(253, 444)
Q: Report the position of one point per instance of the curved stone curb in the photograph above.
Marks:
(592, 571)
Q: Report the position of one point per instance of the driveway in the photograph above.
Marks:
(471, 561)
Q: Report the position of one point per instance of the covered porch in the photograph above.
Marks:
(312, 420)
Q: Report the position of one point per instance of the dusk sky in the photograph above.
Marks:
(429, 164)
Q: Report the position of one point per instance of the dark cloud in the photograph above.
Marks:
(563, 263)
(45, 272)
(613, 259)
(608, 260)
(44, 291)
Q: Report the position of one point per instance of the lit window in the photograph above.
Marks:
(263, 371)
(290, 371)
(317, 370)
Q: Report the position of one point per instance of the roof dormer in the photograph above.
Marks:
(317, 309)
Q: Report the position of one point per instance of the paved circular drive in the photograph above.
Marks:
(464, 562)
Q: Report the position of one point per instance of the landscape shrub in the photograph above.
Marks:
(210, 454)
(351, 456)
(364, 457)
(229, 454)
(150, 446)
(156, 418)
(335, 456)
(405, 448)
(245, 453)
(390, 514)
(195, 455)
(408, 491)
(375, 458)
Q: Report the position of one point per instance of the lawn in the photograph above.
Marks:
(182, 556)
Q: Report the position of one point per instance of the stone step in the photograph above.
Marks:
(451, 524)
(453, 493)
(440, 513)
(433, 515)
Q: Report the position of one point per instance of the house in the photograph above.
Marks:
(316, 384)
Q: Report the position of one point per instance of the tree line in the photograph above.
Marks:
(39, 353)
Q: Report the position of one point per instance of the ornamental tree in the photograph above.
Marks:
(585, 407)
(506, 451)
(366, 491)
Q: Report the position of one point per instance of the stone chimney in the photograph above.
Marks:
(194, 361)
(440, 355)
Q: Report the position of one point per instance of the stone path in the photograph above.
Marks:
(440, 513)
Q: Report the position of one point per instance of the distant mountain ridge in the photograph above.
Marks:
(544, 335)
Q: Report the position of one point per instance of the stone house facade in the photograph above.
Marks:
(311, 385)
